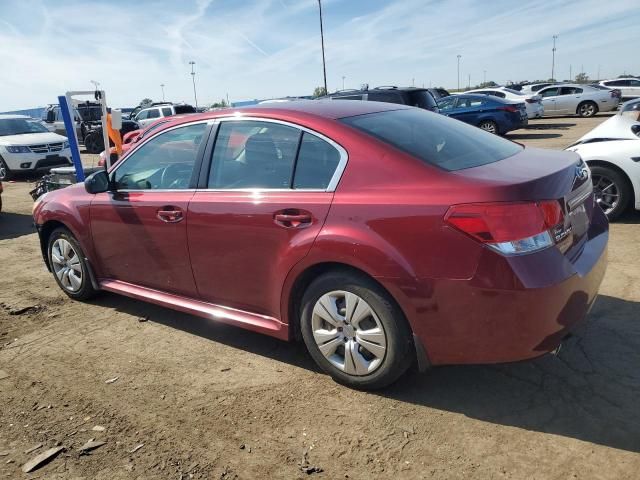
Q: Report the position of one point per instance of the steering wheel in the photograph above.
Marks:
(173, 170)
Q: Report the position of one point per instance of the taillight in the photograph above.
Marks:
(530, 100)
(616, 93)
(508, 108)
(509, 228)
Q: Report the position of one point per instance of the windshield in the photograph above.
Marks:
(444, 142)
(20, 126)
(421, 99)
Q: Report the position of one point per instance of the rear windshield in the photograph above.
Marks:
(435, 139)
(184, 109)
(421, 99)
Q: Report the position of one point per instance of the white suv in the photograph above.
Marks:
(629, 87)
(150, 115)
(27, 145)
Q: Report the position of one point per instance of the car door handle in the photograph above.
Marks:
(292, 220)
(170, 214)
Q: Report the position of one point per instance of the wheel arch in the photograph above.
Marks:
(582, 102)
(621, 171)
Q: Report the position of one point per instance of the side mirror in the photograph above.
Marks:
(97, 182)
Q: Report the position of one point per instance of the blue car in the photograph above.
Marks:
(493, 114)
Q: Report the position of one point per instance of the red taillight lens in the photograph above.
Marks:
(504, 222)
(509, 108)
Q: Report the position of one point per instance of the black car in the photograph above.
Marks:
(413, 96)
(438, 93)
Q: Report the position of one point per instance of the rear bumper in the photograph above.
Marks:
(513, 308)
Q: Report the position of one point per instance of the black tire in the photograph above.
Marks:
(587, 109)
(400, 351)
(86, 290)
(600, 176)
(489, 126)
(94, 143)
(5, 173)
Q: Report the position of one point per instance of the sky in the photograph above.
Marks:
(250, 49)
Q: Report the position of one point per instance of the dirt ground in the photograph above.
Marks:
(211, 401)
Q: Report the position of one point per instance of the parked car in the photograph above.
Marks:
(27, 146)
(415, 97)
(381, 235)
(535, 87)
(576, 99)
(630, 106)
(150, 115)
(85, 114)
(438, 93)
(489, 113)
(1, 190)
(533, 102)
(616, 91)
(629, 87)
(612, 151)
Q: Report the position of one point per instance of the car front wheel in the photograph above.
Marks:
(355, 332)
(489, 126)
(5, 173)
(587, 109)
(69, 265)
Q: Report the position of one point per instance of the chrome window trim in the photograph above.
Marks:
(337, 174)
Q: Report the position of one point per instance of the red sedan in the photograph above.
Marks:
(380, 235)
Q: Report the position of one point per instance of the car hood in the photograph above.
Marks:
(618, 127)
(32, 138)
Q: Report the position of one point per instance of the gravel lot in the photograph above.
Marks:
(211, 401)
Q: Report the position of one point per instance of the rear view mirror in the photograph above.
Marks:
(97, 182)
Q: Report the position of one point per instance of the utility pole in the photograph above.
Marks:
(469, 84)
(484, 78)
(324, 65)
(553, 57)
(570, 73)
(193, 78)
(343, 77)
(459, 57)
(598, 72)
(162, 87)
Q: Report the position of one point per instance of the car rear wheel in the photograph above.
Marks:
(355, 332)
(69, 265)
(587, 109)
(489, 126)
(611, 190)
(5, 173)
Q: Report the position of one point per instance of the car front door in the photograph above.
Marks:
(139, 229)
(469, 110)
(261, 204)
(549, 98)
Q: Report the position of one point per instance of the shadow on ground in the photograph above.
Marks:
(589, 391)
(531, 136)
(631, 216)
(13, 225)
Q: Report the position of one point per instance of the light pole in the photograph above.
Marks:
(193, 78)
(324, 66)
(553, 57)
(343, 77)
(459, 57)
(484, 78)
(162, 87)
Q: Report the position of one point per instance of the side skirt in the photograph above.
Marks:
(240, 318)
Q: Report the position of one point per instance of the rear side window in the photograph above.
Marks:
(155, 113)
(570, 91)
(166, 111)
(317, 162)
(387, 97)
(421, 99)
(435, 139)
(181, 109)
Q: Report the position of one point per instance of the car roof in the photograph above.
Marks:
(328, 109)
(9, 116)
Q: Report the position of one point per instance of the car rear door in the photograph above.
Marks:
(263, 197)
(549, 98)
(568, 99)
(139, 229)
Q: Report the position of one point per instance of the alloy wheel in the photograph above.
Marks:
(606, 192)
(66, 265)
(3, 170)
(488, 127)
(587, 110)
(348, 333)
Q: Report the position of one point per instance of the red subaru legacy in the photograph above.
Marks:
(380, 235)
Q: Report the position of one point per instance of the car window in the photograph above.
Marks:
(535, 88)
(447, 103)
(470, 102)
(142, 115)
(421, 99)
(317, 162)
(634, 83)
(253, 154)
(387, 97)
(348, 97)
(434, 139)
(570, 91)
(549, 92)
(166, 111)
(164, 162)
(20, 126)
(180, 109)
(495, 93)
(153, 113)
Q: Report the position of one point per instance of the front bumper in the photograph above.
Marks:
(512, 308)
(35, 161)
